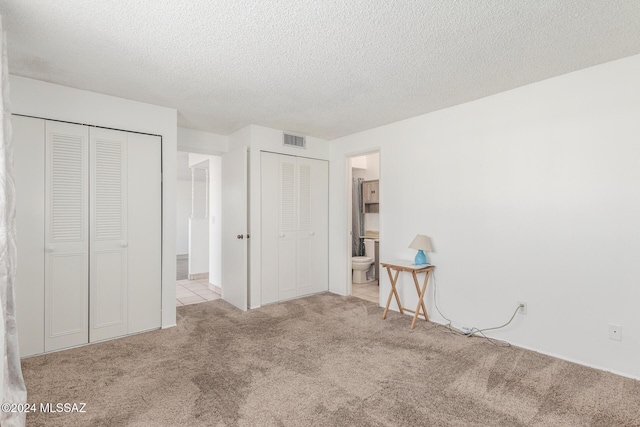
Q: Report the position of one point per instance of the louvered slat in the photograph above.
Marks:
(304, 200)
(108, 190)
(287, 217)
(67, 216)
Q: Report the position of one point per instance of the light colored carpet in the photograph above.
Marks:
(325, 360)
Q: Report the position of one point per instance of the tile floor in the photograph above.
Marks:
(194, 292)
(366, 291)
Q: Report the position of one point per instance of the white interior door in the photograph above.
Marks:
(109, 240)
(234, 228)
(66, 235)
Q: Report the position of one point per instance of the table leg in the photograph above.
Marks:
(393, 292)
(420, 298)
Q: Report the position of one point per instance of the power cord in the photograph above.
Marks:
(473, 331)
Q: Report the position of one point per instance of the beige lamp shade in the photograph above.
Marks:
(421, 242)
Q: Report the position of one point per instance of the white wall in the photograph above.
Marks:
(199, 221)
(215, 225)
(198, 245)
(46, 100)
(357, 172)
(200, 197)
(259, 138)
(530, 194)
(372, 171)
(196, 141)
(183, 212)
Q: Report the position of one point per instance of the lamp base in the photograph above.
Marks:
(421, 258)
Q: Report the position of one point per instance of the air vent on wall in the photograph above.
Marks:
(295, 141)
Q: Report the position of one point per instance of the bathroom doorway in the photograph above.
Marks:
(364, 225)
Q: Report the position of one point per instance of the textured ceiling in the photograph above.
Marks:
(321, 68)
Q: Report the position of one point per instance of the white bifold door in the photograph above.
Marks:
(294, 225)
(101, 242)
(125, 233)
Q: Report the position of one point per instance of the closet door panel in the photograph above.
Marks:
(288, 235)
(66, 235)
(304, 229)
(270, 223)
(107, 283)
(319, 191)
(29, 167)
(67, 286)
(144, 232)
(108, 246)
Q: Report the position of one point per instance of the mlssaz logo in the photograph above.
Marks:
(63, 407)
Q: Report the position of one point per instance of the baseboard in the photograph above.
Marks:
(182, 256)
(199, 276)
(551, 354)
(216, 289)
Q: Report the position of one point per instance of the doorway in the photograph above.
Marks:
(198, 238)
(363, 219)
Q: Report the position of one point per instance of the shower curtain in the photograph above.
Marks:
(12, 387)
(357, 218)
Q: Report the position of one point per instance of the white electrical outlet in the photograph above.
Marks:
(615, 332)
(523, 307)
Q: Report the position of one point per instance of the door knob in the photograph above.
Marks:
(281, 234)
(49, 248)
(124, 244)
(311, 233)
(240, 236)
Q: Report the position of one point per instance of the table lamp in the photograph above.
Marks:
(422, 243)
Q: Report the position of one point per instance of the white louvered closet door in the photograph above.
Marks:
(294, 222)
(108, 247)
(66, 235)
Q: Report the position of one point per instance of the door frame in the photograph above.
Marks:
(349, 196)
(217, 287)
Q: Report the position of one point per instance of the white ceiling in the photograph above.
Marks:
(321, 68)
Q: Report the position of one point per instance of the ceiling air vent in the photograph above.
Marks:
(295, 141)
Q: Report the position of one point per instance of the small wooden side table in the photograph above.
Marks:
(414, 269)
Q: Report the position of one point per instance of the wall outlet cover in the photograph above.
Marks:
(615, 332)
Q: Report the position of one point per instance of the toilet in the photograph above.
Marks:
(362, 264)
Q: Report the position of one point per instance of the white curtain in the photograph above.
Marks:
(12, 385)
